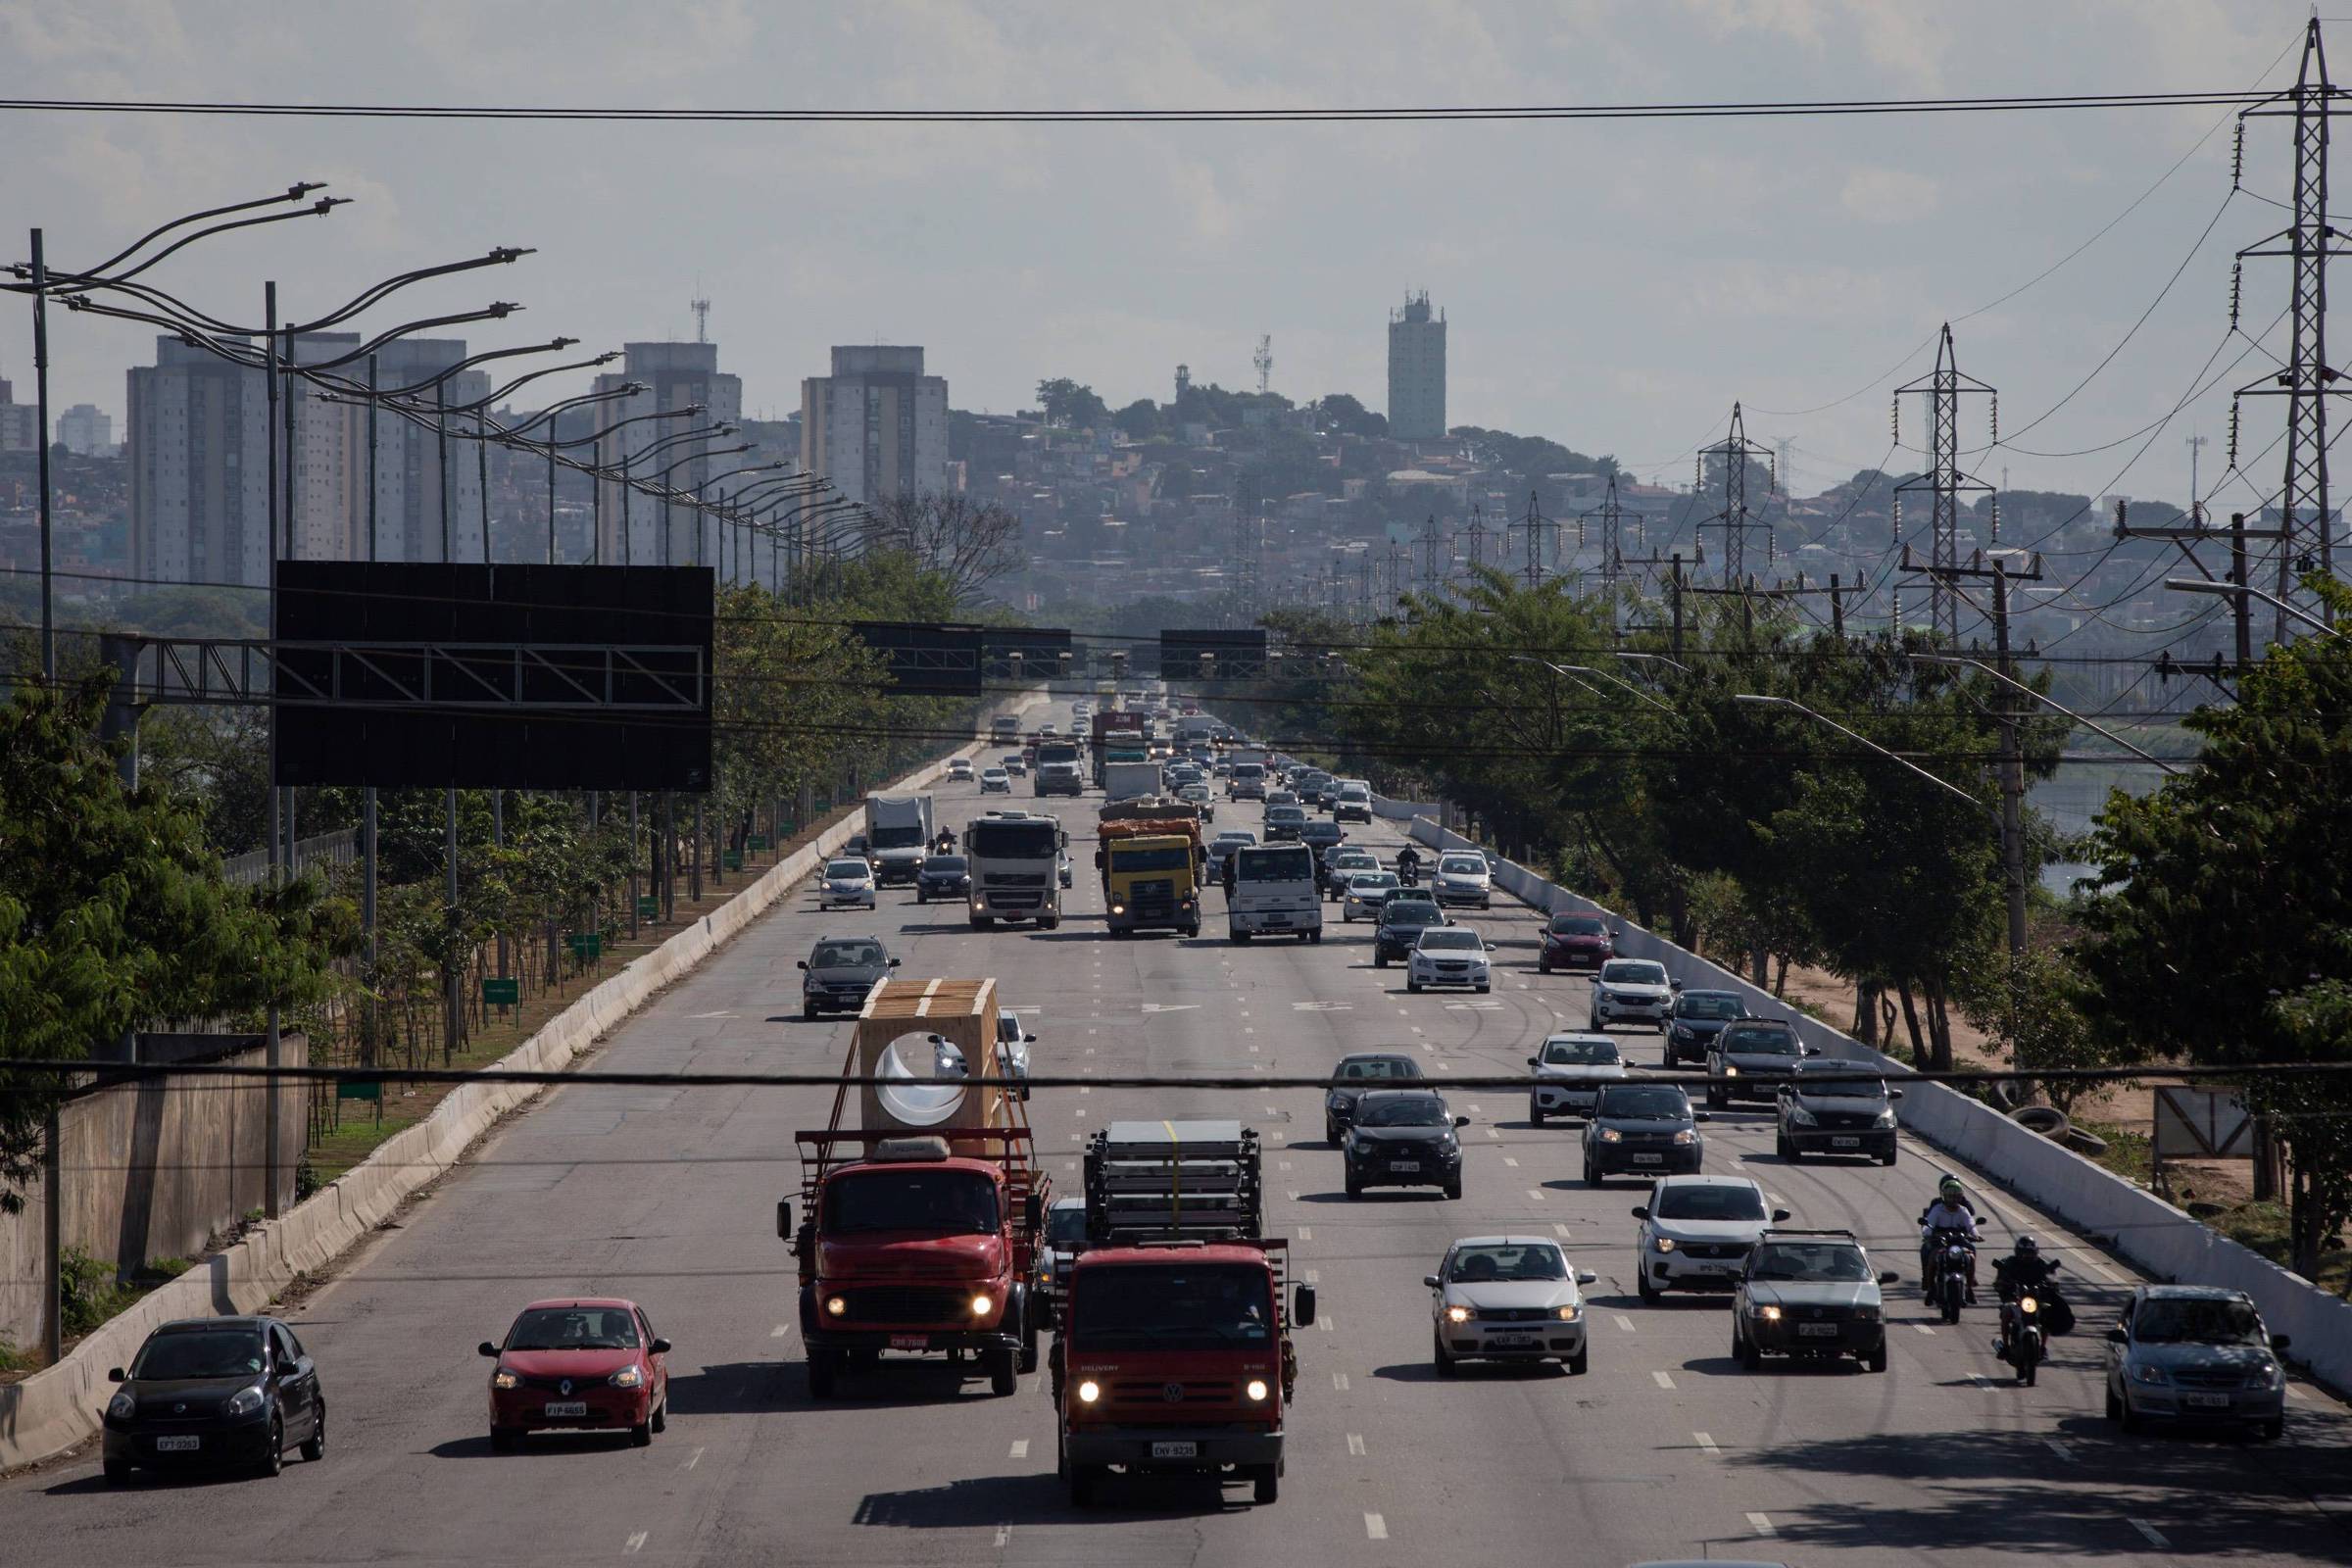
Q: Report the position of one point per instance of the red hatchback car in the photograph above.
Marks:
(579, 1365)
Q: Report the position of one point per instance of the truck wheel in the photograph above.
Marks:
(1004, 1378)
(1242, 938)
(983, 922)
(1193, 930)
(1269, 1483)
(1083, 1480)
(1355, 1188)
(1029, 1349)
(820, 1374)
(1052, 922)
(921, 896)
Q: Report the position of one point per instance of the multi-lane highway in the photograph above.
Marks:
(1664, 1450)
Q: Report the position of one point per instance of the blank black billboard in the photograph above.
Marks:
(1235, 654)
(927, 661)
(408, 674)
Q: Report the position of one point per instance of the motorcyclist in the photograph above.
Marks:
(1409, 864)
(945, 843)
(1949, 1212)
(2025, 1268)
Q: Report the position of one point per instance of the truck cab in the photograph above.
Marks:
(1014, 861)
(1151, 883)
(1057, 769)
(898, 831)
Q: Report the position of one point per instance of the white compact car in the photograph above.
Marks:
(1462, 877)
(1507, 1299)
(1012, 1048)
(1631, 990)
(1570, 1070)
(959, 769)
(995, 781)
(1367, 894)
(1696, 1232)
(1448, 956)
(848, 884)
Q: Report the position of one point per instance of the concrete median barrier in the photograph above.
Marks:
(58, 1407)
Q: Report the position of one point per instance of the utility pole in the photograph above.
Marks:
(2241, 606)
(2306, 381)
(1943, 481)
(1676, 587)
(1535, 527)
(2196, 503)
(1428, 553)
(1478, 536)
(1611, 515)
(1734, 454)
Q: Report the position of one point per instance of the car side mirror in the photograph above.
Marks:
(1585, 1276)
(661, 1347)
(1616, 936)
(1530, 1061)
(2119, 1335)
(1640, 1212)
(1701, 1115)
(1028, 1040)
(1302, 1305)
(1894, 1094)
(1675, 985)
(114, 1374)
(2279, 1341)
(804, 963)
(1430, 1280)
(1812, 1051)
(486, 1349)
(1462, 1121)
(894, 964)
(1779, 1214)
(1889, 1278)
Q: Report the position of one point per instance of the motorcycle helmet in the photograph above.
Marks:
(2027, 1246)
(1948, 1189)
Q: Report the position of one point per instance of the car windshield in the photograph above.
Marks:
(1294, 863)
(951, 864)
(1173, 858)
(1172, 1306)
(1360, 1067)
(1231, 840)
(1808, 1261)
(2201, 1320)
(1350, 792)
(1634, 972)
(1580, 1053)
(1411, 912)
(1351, 857)
(200, 1353)
(1709, 1202)
(1709, 1005)
(1066, 1225)
(1462, 866)
(1748, 1040)
(1647, 1103)
(956, 1202)
(1372, 881)
(1448, 940)
(1576, 925)
(1412, 1110)
(995, 836)
(1532, 1260)
(1834, 1080)
(1286, 813)
(845, 871)
(845, 955)
(574, 1328)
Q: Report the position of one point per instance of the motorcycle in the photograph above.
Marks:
(2030, 1315)
(1408, 874)
(1948, 1259)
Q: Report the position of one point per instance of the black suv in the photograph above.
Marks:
(1809, 1293)
(1833, 1108)
(1403, 1137)
(1357, 1075)
(1403, 919)
(1695, 1019)
(1645, 1129)
(943, 876)
(1749, 1055)
(841, 971)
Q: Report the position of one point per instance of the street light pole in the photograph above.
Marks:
(40, 394)
(2199, 585)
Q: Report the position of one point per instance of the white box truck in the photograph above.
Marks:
(898, 835)
(1274, 894)
(1128, 781)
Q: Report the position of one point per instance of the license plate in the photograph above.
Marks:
(1817, 1331)
(1404, 1165)
(911, 1342)
(178, 1445)
(1715, 1268)
(1278, 919)
(567, 1407)
(1514, 1342)
(1175, 1451)
(1846, 1143)
(2208, 1402)
(1648, 1159)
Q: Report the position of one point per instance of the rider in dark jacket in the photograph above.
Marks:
(2026, 1269)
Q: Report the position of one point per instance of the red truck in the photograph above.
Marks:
(1172, 1351)
(920, 1230)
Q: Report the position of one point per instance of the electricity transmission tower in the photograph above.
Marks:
(1734, 452)
(1610, 516)
(1263, 359)
(2306, 379)
(1534, 525)
(1429, 554)
(1477, 532)
(1943, 481)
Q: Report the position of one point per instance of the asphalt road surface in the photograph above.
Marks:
(1664, 1450)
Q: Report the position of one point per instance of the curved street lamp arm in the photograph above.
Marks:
(318, 208)
(499, 256)
(292, 193)
(1858, 739)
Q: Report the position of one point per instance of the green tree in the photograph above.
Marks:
(1070, 402)
(1141, 421)
(1338, 410)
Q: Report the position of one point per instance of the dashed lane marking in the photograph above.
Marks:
(1020, 1448)
(1313, 1276)
(2059, 1448)
(1283, 1164)
(1560, 1230)
(1294, 1194)
(1534, 1195)
(2155, 1536)
(1761, 1525)
(1417, 1030)
(694, 1459)
(1085, 1089)
(1625, 1323)
(1924, 1329)
(1377, 1529)
(779, 1330)
(1508, 1161)
(1306, 1233)
(1706, 1445)
(637, 1544)
(1339, 1383)
(1355, 1444)
(1004, 1535)
(1662, 1380)
(1326, 1324)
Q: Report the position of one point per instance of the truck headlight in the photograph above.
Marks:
(1256, 1390)
(1089, 1392)
(982, 1304)
(1118, 908)
(837, 1307)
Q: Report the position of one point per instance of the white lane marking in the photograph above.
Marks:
(1417, 1030)
(2059, 1448)
(2156, 1537)
(1491, 1133)
(1775, 1199)
(1376, 1528)
(1004, 1535)
(1761, 1525)
(1339, 1383)
(2295, 1392)
(1404, 1013)
(1249, 1031)
(1980, 1380)
(1085, 1090)
(1625, 1323)
(1924, 1329)
(1476, 1109)
(779, 1330)
(1020, 1447)
(1534, 1195)
(1445, 1066)
(2096, 1269)
(1294, 1194)
(1560, 1229)
(1663, 1381)
(1508, 1161)
(1313, 1276)
(1706, 1445)
(694, 1459)
(1094, 1032)
(1325, 1324)
(1078, 1110)
(1356, 1444)
(1283, 1164)
(1090, 1051)
(1306, 1233)
(637, 1544)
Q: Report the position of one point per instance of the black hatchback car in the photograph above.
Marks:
(841, 971)
(943, 876)
(1359, 1074)
(1695, 1019)
(1831, 1107)
(1643, 1129)
(215, 1392)
(1403, 919)
(1403, 1137)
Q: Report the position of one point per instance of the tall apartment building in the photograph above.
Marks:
(198, 506)
(416, 467)
(632, 529)
(877, 426)
(87, 430)
(20, 422)
(1416, 371)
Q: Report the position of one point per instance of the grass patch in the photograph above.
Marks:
(2129, 1152)
(94, 1293)
(2262, 1228)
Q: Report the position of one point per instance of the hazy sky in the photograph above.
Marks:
(1614, 285)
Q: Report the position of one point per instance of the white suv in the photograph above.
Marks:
(1632, 989)
(1462, 877)
(1696, 1232)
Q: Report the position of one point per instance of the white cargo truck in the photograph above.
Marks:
(898, 835)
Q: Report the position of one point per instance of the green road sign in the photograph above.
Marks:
(358, 1089)
(732, 860)
(757, 842)
(502, 990)
(649, 907)
(586, 945)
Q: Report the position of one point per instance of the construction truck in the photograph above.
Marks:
(1172, 1347)
(1151, 868)
(921, 1222)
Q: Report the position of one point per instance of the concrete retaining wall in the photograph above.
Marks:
(2157, 1237)
(56, 1408)
(152, 1169)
